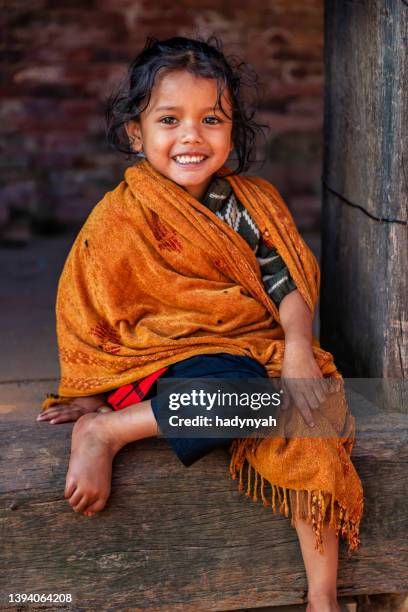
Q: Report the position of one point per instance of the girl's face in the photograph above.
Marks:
(184, 135)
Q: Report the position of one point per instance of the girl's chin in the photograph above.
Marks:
(194, 173)
(193, 179)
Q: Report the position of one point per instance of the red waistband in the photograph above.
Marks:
(133, 393)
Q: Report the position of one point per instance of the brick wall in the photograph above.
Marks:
(61, 57)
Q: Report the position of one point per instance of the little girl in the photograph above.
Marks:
(187, 269)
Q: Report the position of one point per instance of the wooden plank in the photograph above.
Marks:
(364, 290)
(397, 602)
(174, 538)
(347, 604)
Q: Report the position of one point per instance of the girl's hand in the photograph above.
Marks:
(74, 409)
(302, 380)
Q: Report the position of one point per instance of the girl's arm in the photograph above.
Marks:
(299, 361)
(296, 320)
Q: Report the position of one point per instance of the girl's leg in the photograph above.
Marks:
(321, 569)
(96, 438)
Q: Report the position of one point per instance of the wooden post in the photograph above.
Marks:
(364, 292)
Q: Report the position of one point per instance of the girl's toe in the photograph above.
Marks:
(96, 506)
(81, 505)
(75, 498)
(69, 489)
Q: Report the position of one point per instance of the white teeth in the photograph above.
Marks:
(189, 159)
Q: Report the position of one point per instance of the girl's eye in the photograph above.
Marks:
(168, 120)
(212, 120)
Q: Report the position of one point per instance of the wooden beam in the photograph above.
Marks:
(173, 538)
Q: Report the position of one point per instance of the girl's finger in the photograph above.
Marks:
(324, 385)
(307, 415)
(50, 412)
(283, 393)
(302, 405)
(67, 415)
(324, 389)
(314, 393)
(285, 400)
(318, 394)
(309, 397)
(300, 400)
(63, 418)
(47, 416)
(300, 391)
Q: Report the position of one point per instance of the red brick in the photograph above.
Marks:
(61, 59)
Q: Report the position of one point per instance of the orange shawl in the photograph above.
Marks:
(155, 277)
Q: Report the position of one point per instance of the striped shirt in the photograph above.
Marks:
(221, 200)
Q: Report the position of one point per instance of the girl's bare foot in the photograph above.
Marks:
(96, 438)
(93, 448)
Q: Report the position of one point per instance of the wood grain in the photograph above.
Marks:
(173, 538)
(364, 291)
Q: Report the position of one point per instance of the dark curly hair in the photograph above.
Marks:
(200, 58)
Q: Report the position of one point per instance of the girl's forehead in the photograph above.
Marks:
(181, 88)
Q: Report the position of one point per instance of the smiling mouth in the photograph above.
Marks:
(189, 160)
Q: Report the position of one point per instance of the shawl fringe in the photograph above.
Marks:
(314, 506)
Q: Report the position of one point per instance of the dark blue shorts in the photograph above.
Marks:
(220, 365)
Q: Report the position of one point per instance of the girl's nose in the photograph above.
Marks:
(191, 134)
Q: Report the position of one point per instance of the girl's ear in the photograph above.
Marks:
(135, 135)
